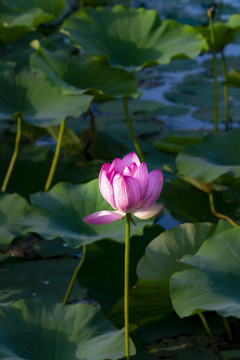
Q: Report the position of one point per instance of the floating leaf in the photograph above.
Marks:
(58, 331)
(142, 40)
(12, 207)
(215, 156)
(40, 105)
(214, 284)
(44, 279)
(61, 211)
(84, 75)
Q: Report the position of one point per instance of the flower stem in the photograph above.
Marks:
(56, 156)
(210, 334)
(126, 286)
(225, 91)
(15, 154)
(75, 274)
(134, 138)
(219, 215)
(213, 43)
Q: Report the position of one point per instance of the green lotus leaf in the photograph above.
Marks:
(41, 279)
(84, 75)
(59, 213)
(150, 299)
(30, 95)
(48, 330)
(12, 207)
(132, 38)
(57, 9)
(215, 156)
(14, 24)
(214, 283)
(224, 32)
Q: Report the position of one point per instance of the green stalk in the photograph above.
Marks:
(225, 91)
(219, 215)
(213, 43)
(81, 3)
(56, 156)
(134, 138)
(210, 334)
(75, 275)
(126, 286)
(15, 154)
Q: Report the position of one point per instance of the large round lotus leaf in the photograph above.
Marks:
(31, 329)
(45, 279)
(56, 8)
(133, 38)
(150, 298)
(59, 212)
(214, 284)
(12, 207)
(224, 32)
(14, 24)
(29, 94)
(84, 75)
(215, 156)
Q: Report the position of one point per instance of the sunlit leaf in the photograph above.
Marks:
(142, 39)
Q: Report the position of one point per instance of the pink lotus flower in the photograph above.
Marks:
(128, 188)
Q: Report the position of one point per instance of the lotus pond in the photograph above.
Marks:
(120, 180)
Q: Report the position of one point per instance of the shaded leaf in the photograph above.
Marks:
(55, 330)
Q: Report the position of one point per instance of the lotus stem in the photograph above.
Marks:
(126, 286)
(228, 329)
(56, 156)
(81, 3)
(210, 334)
(225, 91)
(219, 215)
(75, 275)
(213, 43)
(15, 154)
(134, 138)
